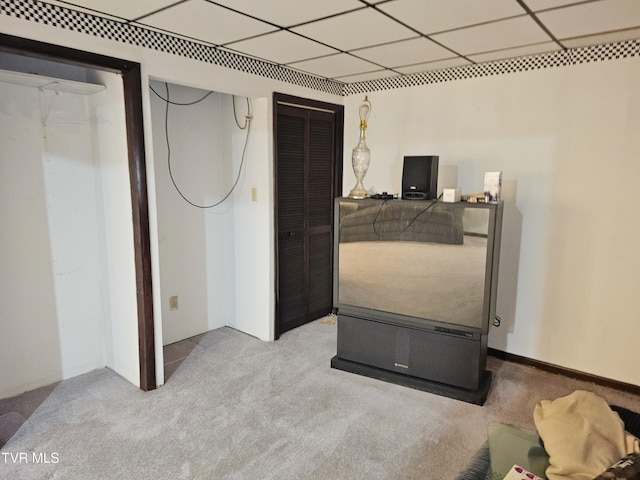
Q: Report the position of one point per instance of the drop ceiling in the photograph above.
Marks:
(357, 40)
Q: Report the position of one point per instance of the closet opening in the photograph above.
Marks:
(73, 201)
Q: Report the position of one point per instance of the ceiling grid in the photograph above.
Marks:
(352, 46)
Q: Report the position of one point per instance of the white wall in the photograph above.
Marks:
(73, 205)
(109, 141)
(193, 73)
(253, 227)
(30, 340)
(196, 244)
(63, 176)
(567, 142)
(208, 255)
(567, 265)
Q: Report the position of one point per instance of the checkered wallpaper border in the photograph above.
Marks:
(57, 16)
(574, 56)
(61, 17)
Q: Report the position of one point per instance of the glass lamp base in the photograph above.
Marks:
(358, 192)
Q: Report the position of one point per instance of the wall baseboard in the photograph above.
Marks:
(567, 372)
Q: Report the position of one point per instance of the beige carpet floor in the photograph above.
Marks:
(235, 407)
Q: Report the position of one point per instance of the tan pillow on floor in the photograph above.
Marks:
(582, 436)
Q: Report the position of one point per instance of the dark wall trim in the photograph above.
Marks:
(130, 72)
(567, 372)
(141, 236)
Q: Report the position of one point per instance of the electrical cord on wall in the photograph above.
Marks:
(247, 117)
(246, 126)
(178, 103)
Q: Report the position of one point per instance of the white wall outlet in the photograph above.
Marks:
(173, 302)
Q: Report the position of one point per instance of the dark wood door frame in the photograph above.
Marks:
(338, 111)
(131, 78)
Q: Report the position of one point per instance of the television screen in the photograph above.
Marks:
(422, 260)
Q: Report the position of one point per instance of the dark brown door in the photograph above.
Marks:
(308, 152)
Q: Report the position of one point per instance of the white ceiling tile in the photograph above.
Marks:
(363, 77)
(287, 13)
(631, 34)
(435, 16)
(207, 22)
(122, 8)
(591, 18)
(282, 47)
(483, 31)
(537, 5)
(335, 66)
(427, 67)
(499, 35)
(515, 52)
(357, 29)
(405, 52)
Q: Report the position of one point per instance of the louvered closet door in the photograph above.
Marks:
(305, 155)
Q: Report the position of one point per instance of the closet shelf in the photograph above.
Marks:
(49, 83)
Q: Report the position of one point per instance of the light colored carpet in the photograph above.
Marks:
(239, 408)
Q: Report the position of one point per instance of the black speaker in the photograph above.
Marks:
(420, 178)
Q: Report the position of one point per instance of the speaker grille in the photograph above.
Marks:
(420, 177)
